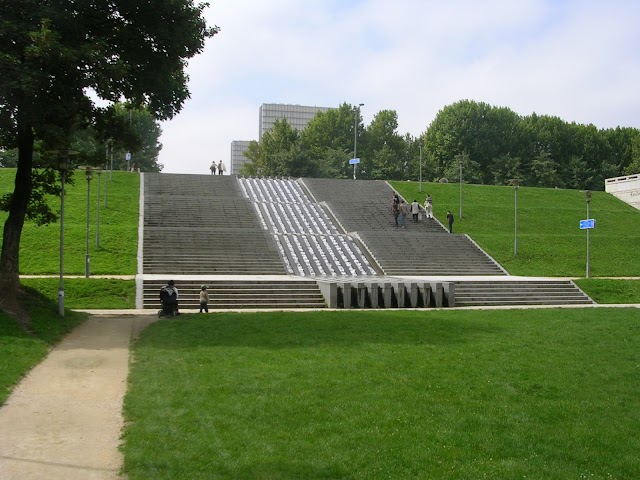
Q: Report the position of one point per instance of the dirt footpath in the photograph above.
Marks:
(64, 420)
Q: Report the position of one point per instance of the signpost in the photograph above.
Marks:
(354, 162)
(586, 224)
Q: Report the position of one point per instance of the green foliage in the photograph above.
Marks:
(46, 184)
(494, 143)
(550, 242)
(393, 395)
(611, 291)
(21, 350)
(118, 228)
(56, 57)
(123, 128)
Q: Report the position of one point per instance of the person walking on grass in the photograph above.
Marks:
(450, 220)
(204, 299)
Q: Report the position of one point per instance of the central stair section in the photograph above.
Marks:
(309, 242)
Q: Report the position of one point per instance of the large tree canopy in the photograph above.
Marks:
(56, 55)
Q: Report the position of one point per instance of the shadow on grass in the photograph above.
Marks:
(283, 330)
(290, 470)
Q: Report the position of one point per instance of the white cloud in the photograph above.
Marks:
(572, 58)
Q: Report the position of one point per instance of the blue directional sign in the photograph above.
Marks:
(353, 161)
(590, 223)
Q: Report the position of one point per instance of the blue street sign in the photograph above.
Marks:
(353, 161)
(590, 223)
(127, 156)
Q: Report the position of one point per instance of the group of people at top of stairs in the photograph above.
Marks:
(401, 209)
(220, 168)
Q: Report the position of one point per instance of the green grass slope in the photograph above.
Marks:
(550, 242)
(39, 247)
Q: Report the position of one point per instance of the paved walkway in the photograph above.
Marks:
(64, 420)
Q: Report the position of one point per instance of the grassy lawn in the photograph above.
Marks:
(117, 254)
(92, 293)
(20, 350)
(550, 242)
(551, 394)
(611, 291)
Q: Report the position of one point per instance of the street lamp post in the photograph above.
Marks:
(63, 165)
(86, 258)
(98, 218)
(460, 161)
(515, 182)
(588, 198)
(420, 145)
(355, 136)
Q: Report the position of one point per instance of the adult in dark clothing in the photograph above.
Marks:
(169, 299)
(395, 207)
(450, 220)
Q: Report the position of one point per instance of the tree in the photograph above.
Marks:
(506, 167)
(328, 140)
(54, 53)
(634, 165)
(482, 131)
(384, 149)
(121, 129)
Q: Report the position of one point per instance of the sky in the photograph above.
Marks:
(575, 59)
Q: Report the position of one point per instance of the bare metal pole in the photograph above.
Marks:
(515, 221)
(86, 257)
(460, 187)
(588, 198)
(98, 210)
(355, 136)
(420, 145)
(63, 175)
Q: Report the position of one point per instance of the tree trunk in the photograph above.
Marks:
(9, 258)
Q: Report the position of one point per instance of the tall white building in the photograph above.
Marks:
(238, 147)
(297, 116)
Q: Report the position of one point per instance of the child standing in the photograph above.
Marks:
(204, 299)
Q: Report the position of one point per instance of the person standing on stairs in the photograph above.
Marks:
(395, 208)
(428, 206)
(404, 209)
(415, 210)
(221, 168)
(213, 168)
(450, 220)
(204, 299)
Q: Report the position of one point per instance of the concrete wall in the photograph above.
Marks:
(626, 189)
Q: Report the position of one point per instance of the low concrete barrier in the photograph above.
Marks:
(388, 294)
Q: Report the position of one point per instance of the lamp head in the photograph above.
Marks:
(89, 173)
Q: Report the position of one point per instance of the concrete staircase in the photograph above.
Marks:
(309, 242)
(422, 248)
(520, 292)
(253, 240)
(200, 227)
(240, 294)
